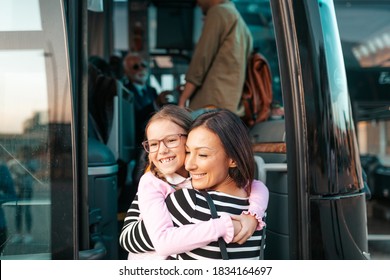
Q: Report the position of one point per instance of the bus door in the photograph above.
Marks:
(329, 203)
(317, 206)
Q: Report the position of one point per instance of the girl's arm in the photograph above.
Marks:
(258, 202)
(252, 219)
(166, 238)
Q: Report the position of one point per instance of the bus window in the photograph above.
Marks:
(365, 37)
(35, 131)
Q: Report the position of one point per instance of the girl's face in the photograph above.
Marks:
(167, 160)
(207, 161)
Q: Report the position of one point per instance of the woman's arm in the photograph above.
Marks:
(166, 238)
(134, 237)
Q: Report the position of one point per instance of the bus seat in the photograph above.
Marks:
(271, 168)
(260, 173)
(111, 107)
(111, 123)
(102, 196)
(121, 135)
(101, 92)
(272, 131)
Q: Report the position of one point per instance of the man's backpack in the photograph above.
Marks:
(257, 93)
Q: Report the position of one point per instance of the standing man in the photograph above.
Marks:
(216, 73)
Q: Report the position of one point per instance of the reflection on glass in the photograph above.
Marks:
(335, 64)
(20, 15)
(7, 193)
(375, 52)
(24, 153)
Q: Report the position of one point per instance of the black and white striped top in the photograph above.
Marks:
(134, 237)
(190, 206)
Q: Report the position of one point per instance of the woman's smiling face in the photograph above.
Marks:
(167, 160)
(206, 160)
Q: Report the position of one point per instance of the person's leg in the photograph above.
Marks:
(17, 237)
(27, 214)
(18, 218)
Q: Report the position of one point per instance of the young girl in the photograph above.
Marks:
(166, 133)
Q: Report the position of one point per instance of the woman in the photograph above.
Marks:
(220, 160)
(166, 133)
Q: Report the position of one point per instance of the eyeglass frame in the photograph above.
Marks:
(145, 143)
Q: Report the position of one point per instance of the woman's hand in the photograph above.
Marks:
(237, 228)
(248, 225)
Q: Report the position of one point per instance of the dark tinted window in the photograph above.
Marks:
(365, 33)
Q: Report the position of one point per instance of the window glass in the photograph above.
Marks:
(36, 168)
(335, 64)
(14, 69)
(20, 15)
(23, 150)
(365, 36)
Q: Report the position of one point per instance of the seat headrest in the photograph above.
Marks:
(268, 132)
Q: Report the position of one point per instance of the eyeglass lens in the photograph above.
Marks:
(139, 65)
(171, 141)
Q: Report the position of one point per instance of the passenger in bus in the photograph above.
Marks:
(167, 174)
(216, 74)
(136, 74)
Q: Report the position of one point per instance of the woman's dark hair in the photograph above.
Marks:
(234, 136)
(180, 116)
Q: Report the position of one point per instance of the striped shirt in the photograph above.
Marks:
(134, 237)
(190, 206)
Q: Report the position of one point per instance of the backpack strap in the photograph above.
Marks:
(214, 215)
(262, 244)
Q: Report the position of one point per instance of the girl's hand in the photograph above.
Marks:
(248, 226)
